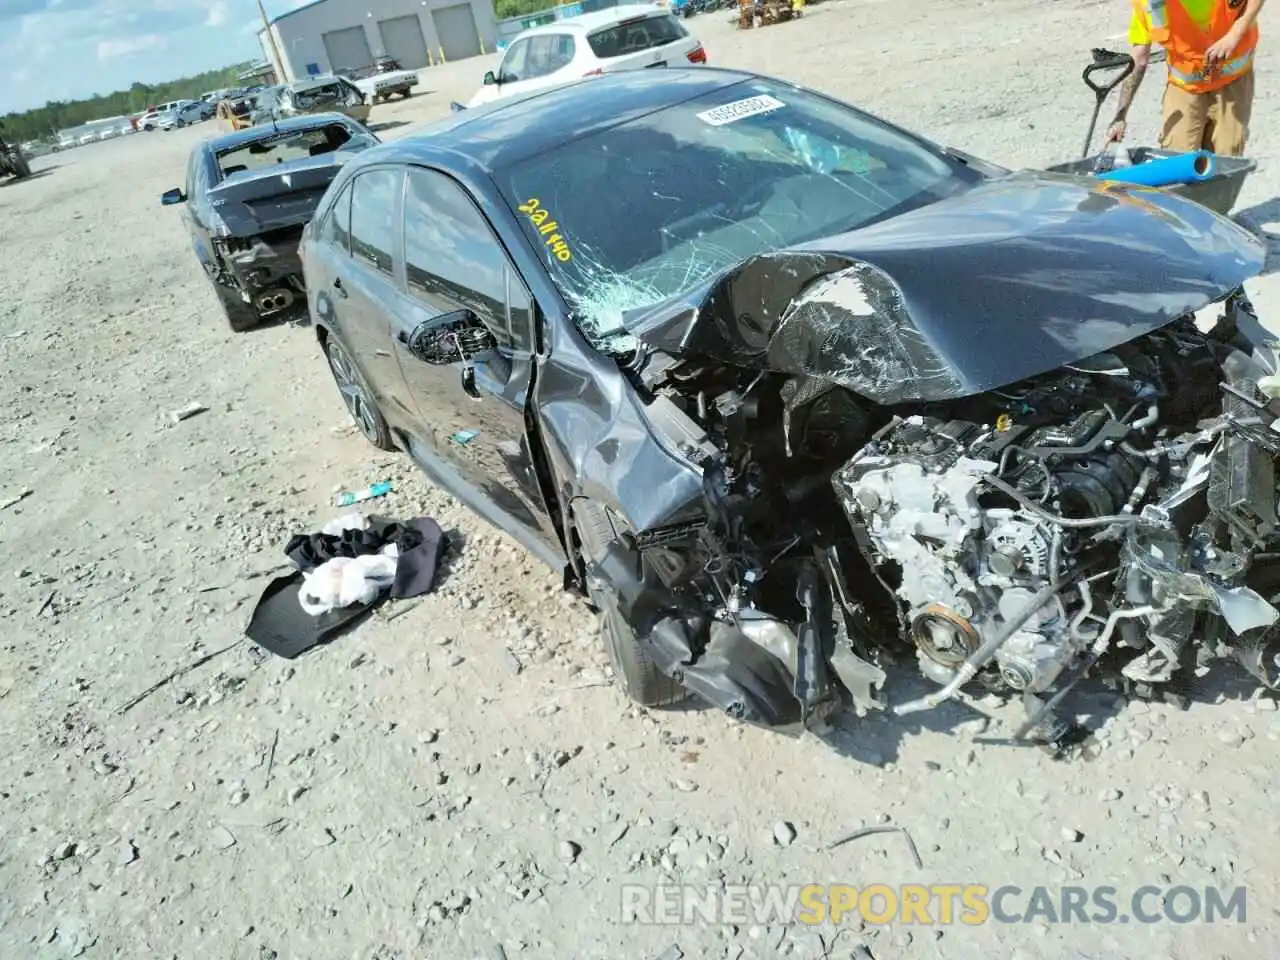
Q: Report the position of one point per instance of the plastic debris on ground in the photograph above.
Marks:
(187, 412)
(371, 492)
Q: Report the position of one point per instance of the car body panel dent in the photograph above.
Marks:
(601, 441)
(1047, 269)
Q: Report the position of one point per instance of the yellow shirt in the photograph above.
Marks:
(1201, 11)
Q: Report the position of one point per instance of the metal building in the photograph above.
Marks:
(329, 35)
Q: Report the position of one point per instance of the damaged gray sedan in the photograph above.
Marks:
(247, 196)
(791, 393)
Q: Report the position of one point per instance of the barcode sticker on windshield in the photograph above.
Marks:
(750, 107)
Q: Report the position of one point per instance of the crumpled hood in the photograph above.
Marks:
(1012, 279)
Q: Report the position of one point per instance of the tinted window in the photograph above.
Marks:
(519, 312)
(629, 216)
(452, 258)
(373, 217)
(632, 36)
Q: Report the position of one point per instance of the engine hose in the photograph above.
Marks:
(1094, 655)
(1069, 522)
(984, 654)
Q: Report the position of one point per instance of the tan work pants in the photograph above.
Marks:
(1217, 121)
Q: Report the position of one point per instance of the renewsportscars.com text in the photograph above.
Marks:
(927, 904)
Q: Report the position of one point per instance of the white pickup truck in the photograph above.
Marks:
(383, 80)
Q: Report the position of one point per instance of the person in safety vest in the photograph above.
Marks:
(1209, 47)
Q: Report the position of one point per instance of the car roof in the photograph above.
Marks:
(588, 22)
(239, 138)
(506, 131)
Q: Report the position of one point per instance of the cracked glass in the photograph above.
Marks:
(631, 216)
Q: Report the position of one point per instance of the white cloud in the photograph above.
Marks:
(219, 13)
(126, 46)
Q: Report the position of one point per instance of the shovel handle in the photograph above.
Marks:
(1107, 60)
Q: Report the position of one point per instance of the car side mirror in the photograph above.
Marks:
(490, 78)
(170, 197)
(450, 338)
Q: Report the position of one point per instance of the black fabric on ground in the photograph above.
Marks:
(280, 625)
(421, 544)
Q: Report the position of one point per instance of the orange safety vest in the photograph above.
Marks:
(1185, 43)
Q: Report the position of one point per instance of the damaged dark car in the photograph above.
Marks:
(792, 394)
(247, 197)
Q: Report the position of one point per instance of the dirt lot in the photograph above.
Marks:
(409, 792)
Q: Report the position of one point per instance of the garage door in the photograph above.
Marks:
(348, 49)
(402, 39)
(456, 28)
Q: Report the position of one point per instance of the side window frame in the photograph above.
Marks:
(394, 270)
(523, 47)
(331, 233)
(530, 339)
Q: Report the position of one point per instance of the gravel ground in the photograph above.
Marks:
(463, 776)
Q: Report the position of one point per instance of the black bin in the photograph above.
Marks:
(1219, 193)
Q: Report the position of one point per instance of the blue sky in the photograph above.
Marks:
(67, 49)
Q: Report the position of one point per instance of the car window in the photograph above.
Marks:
(295, 145)
(453, 259)
(374, 205)
(639, 33)
(561, 53)
(513, 64)
(336, 229)
(539, 62)
(649, 208)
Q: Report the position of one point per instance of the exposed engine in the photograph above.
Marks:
(1067, 516)
(1112, 507)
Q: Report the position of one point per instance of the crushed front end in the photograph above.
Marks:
(1112, 517)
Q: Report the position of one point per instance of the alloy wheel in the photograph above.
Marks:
(353, 393)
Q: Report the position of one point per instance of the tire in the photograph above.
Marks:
(640, 677)
(357, 396)
(241, 316)
(181, 123)
(21, 168)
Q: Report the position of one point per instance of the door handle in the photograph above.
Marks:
(468, 377)
(339, 288)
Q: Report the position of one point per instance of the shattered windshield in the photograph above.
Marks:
(294, 145)
(636, 214)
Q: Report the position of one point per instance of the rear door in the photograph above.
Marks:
(472, 409)
(649, 40)
(355, 283)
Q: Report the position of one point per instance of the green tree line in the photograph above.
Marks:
(522, 8)
(44, 122)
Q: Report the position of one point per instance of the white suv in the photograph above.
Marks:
(632, 37)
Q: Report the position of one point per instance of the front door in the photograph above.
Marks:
(472, 409)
